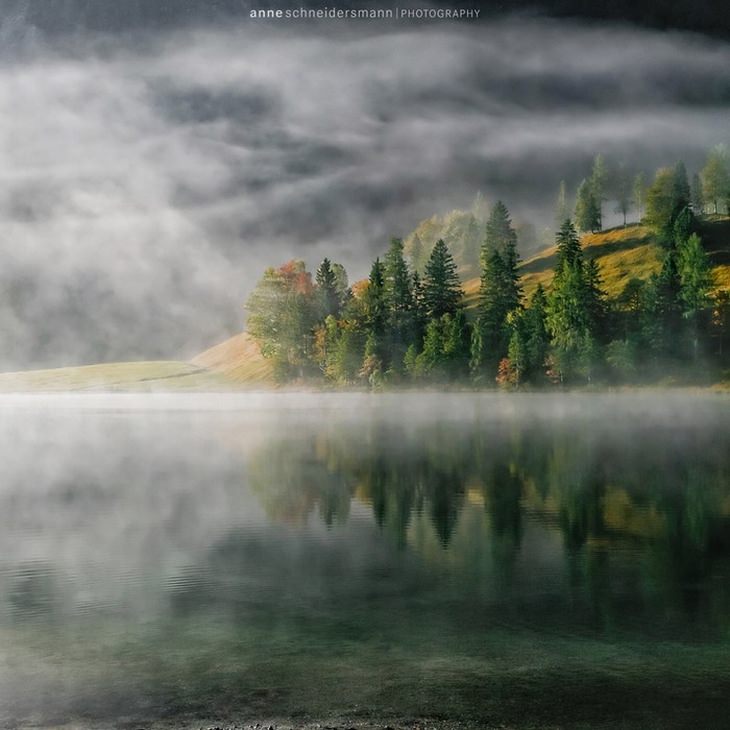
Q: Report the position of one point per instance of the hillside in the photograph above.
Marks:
(231, 365)
(623, 254)
(238, 360)
(138, 377)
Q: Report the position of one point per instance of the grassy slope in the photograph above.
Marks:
(120, 376)
(233, 364)
(622, 254)
(238, 360)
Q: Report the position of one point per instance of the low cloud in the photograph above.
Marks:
(146, 179)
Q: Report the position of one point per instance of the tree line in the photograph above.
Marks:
(399, 326)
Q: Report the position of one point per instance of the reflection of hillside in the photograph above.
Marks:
(608, 495)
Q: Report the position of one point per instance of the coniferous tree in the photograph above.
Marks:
(662, 310)
(399, 304)
(374, 315)
(501, 237)
(327, 293)
(695, 274)
(682, 192)
(457, 344)
(697, 195)
(594, 299)
(587, 212)
(499, 292)
(567, 318)
(639, 194)
(568, 244)
(598, 184)
(537, 338)
(490, 336)
(441, 287)
(573, 307)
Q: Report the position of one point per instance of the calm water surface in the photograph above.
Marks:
(527, 560)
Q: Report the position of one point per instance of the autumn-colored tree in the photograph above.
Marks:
(282, 315)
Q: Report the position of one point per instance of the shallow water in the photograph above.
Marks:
(528, 560)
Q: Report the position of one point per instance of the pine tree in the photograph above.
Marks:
(598, 183)
(697, 195)
(575, 305)
(662, 310)
(695, 273)
(684, 225)
(490, 336)
(441, 289)
(682, 193)
(587, 212)
(501, 237)
(594, 299)
(567, 317)
(327, 293)
(536, 334)
(639, 193)
(499, 292)
(457, 344)
(374, 310)
(399, 304)
(568, 244)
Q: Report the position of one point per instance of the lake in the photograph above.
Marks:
(496, 560)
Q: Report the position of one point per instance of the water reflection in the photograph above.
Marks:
(321, 557)
(649, 494)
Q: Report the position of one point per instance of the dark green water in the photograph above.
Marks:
(532, 561)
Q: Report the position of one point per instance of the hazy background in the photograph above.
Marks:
(155, 157)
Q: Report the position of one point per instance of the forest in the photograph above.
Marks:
(408, 323)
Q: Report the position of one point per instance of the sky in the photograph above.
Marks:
(154, 162)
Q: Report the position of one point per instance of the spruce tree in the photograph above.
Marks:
(662, 311)
(695, 274)
(399, 304)
(501, 237)
(457, 344)
(598, 183)
(374, 309)
(441, 287)
(537, 339)
(327, 293)
(587, 214)
(682, 192)
(490, 336)
(568, 244)
(697, 195)
(499, 292)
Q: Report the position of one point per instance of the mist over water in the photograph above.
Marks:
(537, 558)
